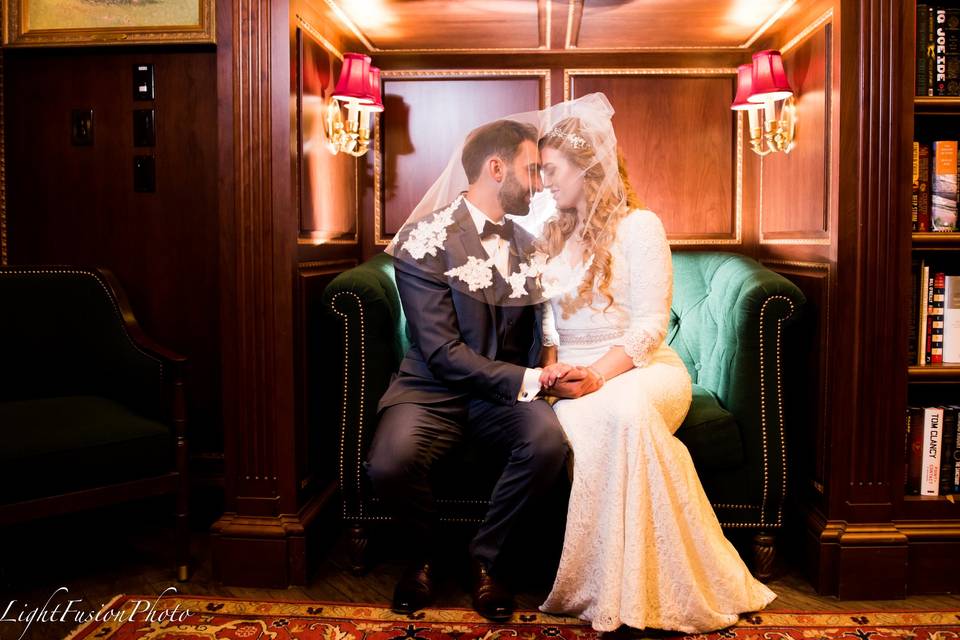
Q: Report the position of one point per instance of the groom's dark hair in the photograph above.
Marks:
(499, 138)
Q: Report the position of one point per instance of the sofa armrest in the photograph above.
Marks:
(729, 326)
(367, 331)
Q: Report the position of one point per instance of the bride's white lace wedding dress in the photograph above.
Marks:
(642, 546)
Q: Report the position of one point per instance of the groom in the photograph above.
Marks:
(469, 374)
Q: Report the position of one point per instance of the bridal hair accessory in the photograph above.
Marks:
(572, 139)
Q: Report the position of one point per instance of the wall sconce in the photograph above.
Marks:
(759, 87)
(358, 88)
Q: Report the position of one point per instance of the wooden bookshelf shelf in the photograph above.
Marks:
(936, 240)
(934, 373)
(937, 105)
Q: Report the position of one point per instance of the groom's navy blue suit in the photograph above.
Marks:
(459, 382)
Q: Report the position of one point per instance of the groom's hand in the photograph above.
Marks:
(552, 373)
(578, 382)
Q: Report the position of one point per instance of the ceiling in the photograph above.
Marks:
(572, 25)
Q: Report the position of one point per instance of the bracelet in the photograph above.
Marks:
(603, 380)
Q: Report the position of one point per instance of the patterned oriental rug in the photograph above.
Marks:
(130, 617)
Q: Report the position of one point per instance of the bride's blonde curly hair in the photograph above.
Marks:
(609, 207)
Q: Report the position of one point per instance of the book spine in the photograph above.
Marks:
(936, 320)
(956, 451)
(915, 189)
(930, 473)
(923, 197)
(952, 32)
(931, 50)
(914, 313)
(914, 455)
(924, 306)
(943, 208)
(940, 52)
(951, 319)
(928, 346)
(923, 40)
(948, 447)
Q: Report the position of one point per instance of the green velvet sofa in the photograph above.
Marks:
(92, 411)
(728, 324)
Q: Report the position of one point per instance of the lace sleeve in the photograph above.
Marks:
(647, 253)
(551, 337)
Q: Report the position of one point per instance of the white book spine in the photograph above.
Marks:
(932, 432)
(951, 319)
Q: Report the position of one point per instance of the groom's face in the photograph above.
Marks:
(522, 180)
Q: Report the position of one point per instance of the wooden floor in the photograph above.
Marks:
(97, 556)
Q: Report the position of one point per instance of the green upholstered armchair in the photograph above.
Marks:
(727, 324)
(91, 411)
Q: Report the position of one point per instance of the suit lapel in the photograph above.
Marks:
(470, 243)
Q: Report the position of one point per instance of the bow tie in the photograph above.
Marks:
(505, 230)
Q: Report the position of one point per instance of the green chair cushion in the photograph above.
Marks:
(710, 432)
(57, 445)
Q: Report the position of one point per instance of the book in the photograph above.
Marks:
(947, 51)
(924, 308)
(923, 193)
(948, 447)
(923, 41)
(943, 201)
(914, 453)
(914, 331)
(936, 320)
(931, 50)
(951, 319)
(915, 188)
(956, 452)
(930, 470)
(940, 52)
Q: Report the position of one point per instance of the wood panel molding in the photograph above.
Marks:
(813, 158)
(737, 152)
(3, 174)
(380, 237)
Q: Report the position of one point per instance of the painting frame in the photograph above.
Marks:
(17, 30)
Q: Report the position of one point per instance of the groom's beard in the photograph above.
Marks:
(514, 199)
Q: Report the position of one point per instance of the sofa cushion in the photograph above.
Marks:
(56, 445)
(710, 432)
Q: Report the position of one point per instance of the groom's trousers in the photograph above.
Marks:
(411, 438)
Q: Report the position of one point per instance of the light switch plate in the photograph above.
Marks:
(144, 128)
(143, 82)
(81, 127)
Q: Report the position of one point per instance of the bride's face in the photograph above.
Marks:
(562, 178)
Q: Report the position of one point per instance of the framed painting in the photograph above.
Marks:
(102, 22)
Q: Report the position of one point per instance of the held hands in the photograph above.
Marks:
(567, 381)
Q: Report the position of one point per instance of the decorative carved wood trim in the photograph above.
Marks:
(872, 246)
(3, 175)
(256, 281)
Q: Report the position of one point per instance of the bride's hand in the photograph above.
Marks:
(577, 383)
(554, 372)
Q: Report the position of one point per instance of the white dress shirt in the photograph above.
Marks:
(499, 249)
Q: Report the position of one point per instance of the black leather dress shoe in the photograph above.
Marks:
(414, 590)
(491, 599)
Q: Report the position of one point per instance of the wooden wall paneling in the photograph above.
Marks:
(426, 116)
(76, 205)
(3, 173)
(681, 144)
(262, 538)
(796, 194)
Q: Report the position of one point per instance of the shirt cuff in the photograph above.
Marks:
(530, 387)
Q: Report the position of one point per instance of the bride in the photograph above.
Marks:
(642, 546)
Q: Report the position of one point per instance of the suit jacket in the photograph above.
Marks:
(462, 346)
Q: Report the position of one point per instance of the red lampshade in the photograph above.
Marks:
(374, 90)
(744, 82)
(354, 82)
(769, 80)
